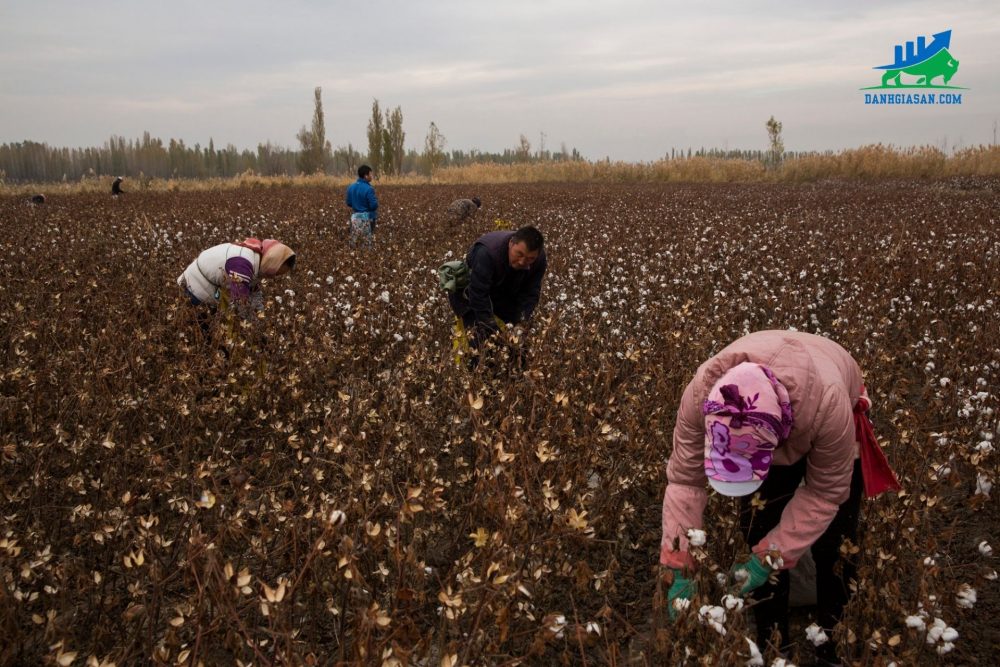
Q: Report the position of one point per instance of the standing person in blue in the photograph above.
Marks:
(364, 204)
(505, 281)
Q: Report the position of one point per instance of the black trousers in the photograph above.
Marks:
(771, 600)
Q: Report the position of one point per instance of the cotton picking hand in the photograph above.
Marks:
(752, 574)
(682, 588)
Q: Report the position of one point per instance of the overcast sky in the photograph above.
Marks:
(627, 80)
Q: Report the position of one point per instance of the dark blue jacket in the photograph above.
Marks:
(495, 288)
(361, 198)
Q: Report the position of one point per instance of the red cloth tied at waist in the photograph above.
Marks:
(875, 470)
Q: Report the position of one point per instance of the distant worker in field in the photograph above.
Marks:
(462, 210)
(504, 282)
(232, 272)
(771, 410)
(364, 204)
(116, 187)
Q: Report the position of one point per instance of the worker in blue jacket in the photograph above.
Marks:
(364, 206)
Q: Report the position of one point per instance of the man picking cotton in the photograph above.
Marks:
(505, 281)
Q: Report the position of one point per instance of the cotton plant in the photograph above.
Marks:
(941, 636)
(983, 485)
(732, 602)
(714, 617)
(696, 537)
(816, 635)
(965, 598)
(756, 659)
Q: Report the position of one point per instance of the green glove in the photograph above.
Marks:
(756, 574)
(682, 589)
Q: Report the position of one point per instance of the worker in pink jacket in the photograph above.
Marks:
(771, 410)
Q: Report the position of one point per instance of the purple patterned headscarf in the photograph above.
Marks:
(747, 414)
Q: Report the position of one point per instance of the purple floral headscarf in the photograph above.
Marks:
(747, 414)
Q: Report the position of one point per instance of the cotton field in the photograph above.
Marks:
(336, 490)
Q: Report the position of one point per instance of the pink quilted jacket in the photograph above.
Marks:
(824, 382)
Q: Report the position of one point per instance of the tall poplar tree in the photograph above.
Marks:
(396, 137)
(434, 145)
(314, 146)
(375, 131)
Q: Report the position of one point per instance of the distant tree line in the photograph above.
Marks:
(150, 157)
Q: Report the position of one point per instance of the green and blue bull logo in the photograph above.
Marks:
(924, 61)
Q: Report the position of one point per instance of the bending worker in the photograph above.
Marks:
(772, 409)
(462, 210)
(236, 269)
(505, 281)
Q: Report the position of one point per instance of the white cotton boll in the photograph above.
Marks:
(732, 602)
(696, 537)
(337, 518)
(966, 597)
(934, 633)
(944, 382)
(384, 296)
(985, 447)
(781, 662)
(278, 299)
(720, 578)
(756, 659)
(985, 548)
(991, 575)
(816, 635)
(983, 485)
(349, 279)
(557, 624)
(949, 635)
(712, 614)
(349, 322)
(680, 604)
(916, 623)
(397, 338)
(945, 648)
(329, 280)
(289, 292)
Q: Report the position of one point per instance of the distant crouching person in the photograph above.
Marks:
(362, 201)
(505, 281)
(462, 210)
